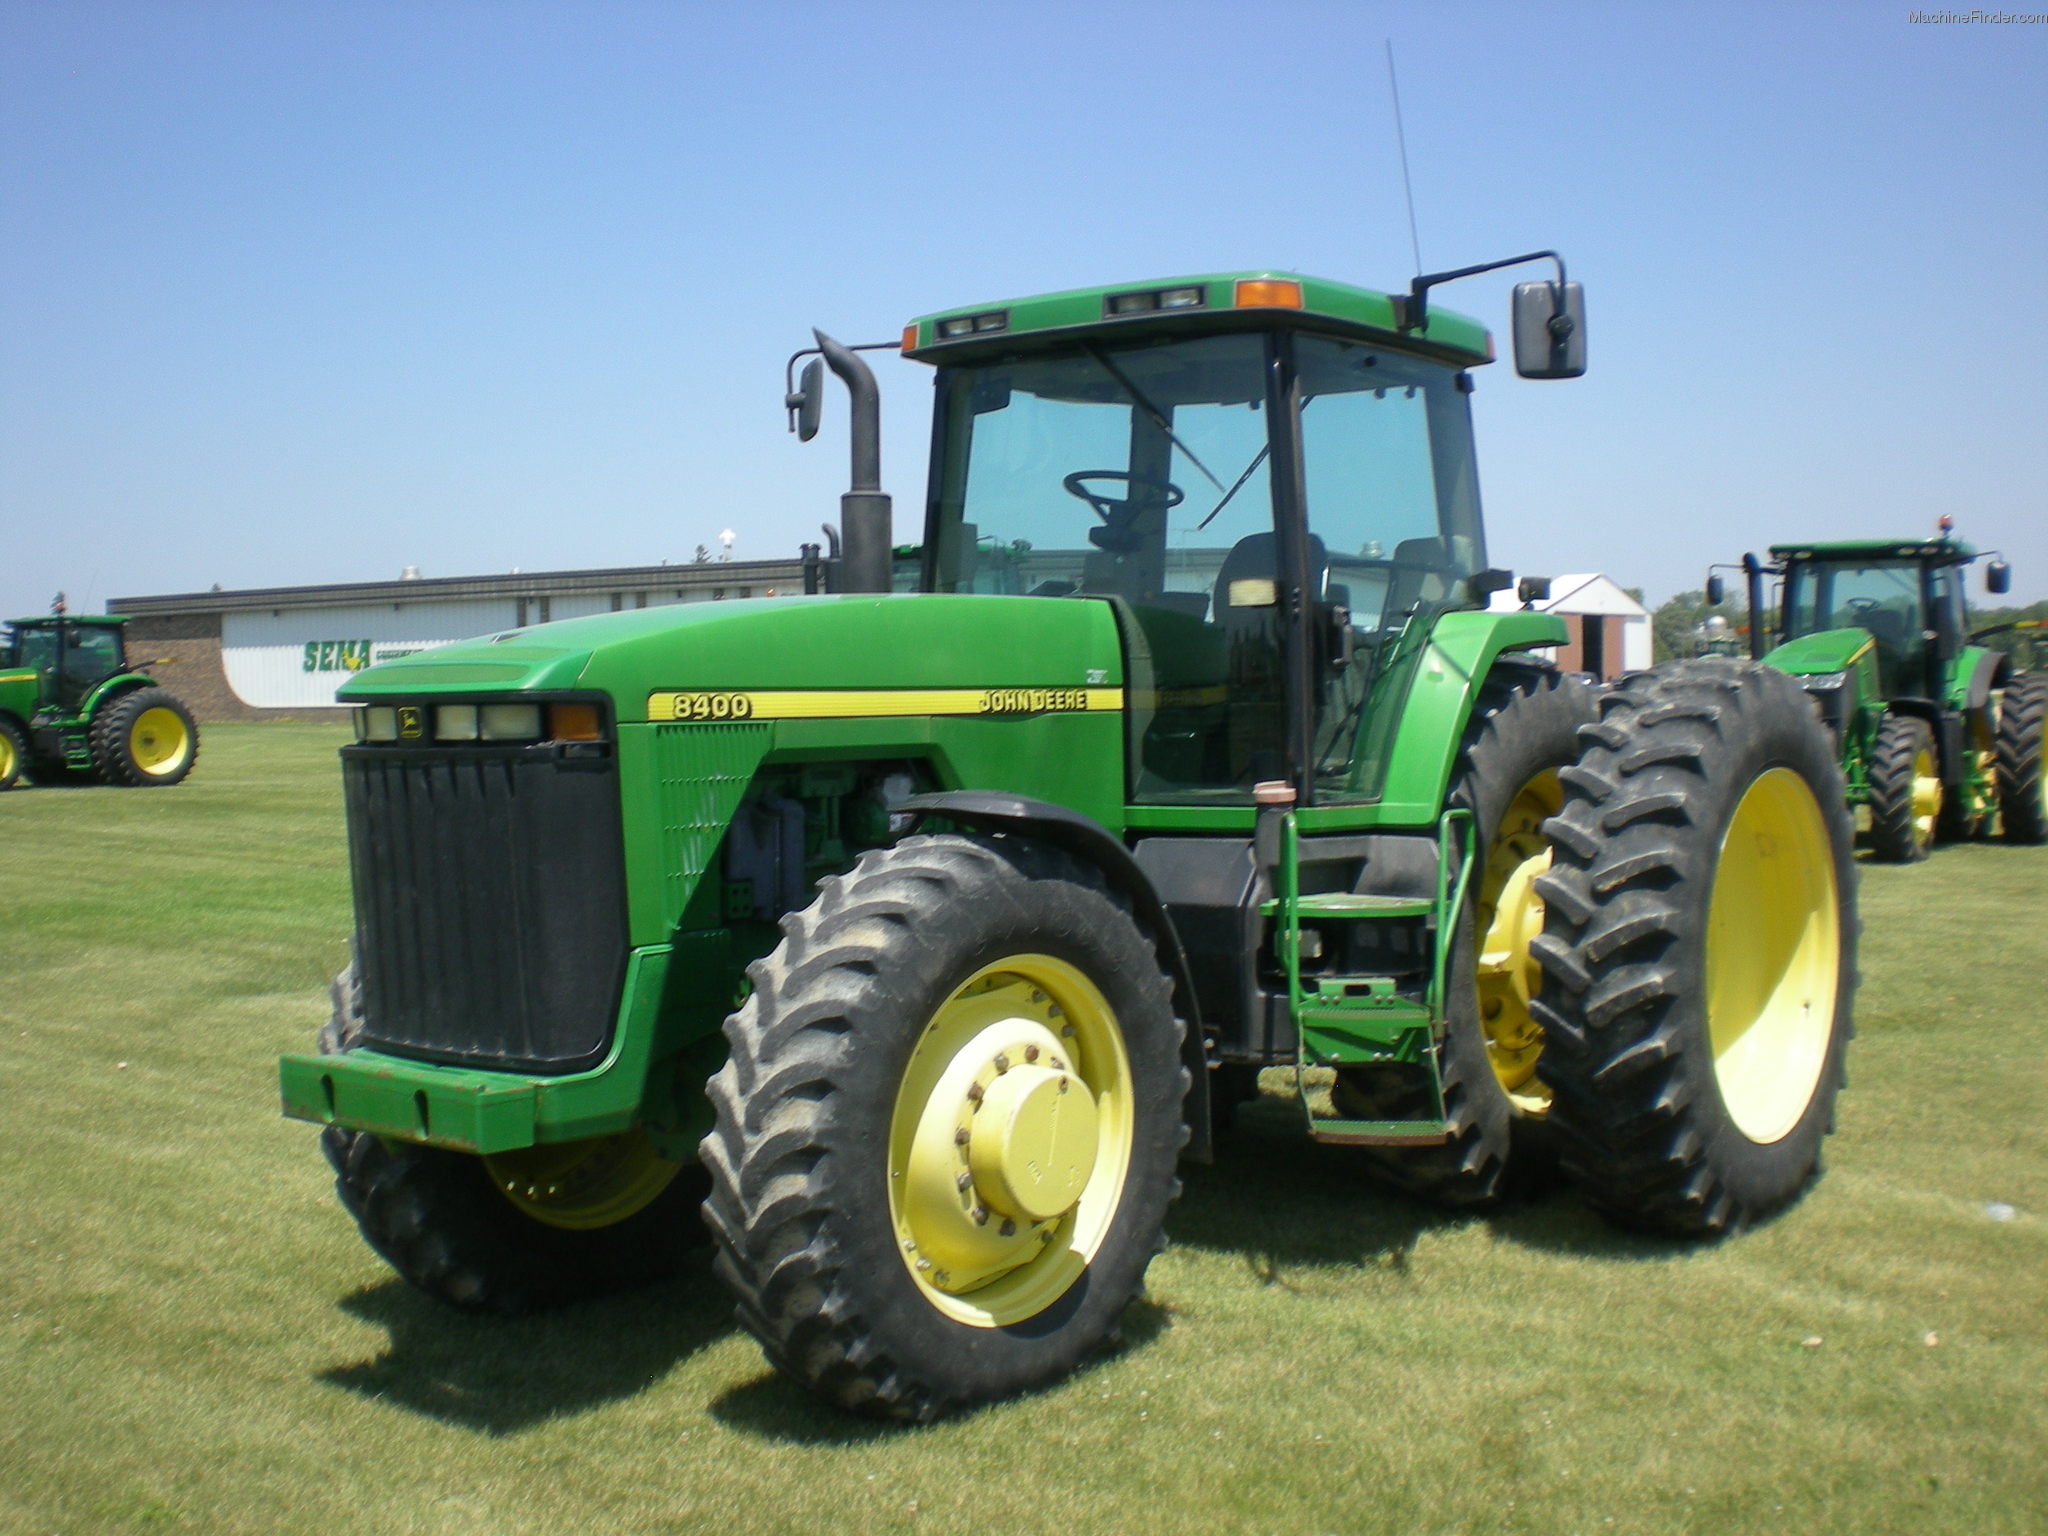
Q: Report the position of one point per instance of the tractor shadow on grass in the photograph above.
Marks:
(1285, 1202)
(499, 1376)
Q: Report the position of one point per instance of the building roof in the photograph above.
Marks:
(624, 578)
(1580, 592)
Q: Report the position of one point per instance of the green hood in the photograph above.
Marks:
(1826, 650)
(831, 642)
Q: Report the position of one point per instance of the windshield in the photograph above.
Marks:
(1881, 596)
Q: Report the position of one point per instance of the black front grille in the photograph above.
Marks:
(490, 903)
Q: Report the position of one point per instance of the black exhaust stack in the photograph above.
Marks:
(864, 510)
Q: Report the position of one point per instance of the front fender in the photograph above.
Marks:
(1441, 694)
(1093, 843)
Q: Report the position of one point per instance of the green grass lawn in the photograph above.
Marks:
(192, 1336)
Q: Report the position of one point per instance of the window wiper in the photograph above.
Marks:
(1249, 470)
(1158, 416)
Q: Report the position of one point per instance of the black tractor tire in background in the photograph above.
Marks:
(1699, 949)
(13, 754)
(1524, 728)
(856, 1041)
(2022, 788)
(436, 1217)
(1898, 832)
(144, 739)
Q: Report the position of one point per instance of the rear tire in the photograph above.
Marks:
(1699, 950)
(144, 739)
(887, 1220)
(445, 1222)
(13, 754)
(1524, 728)
(1905, 790)
(2022, 787)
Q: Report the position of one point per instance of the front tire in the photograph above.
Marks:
(1905, 790)
(1699, 950)
(13, 754)
(144, 738)
(2022, 787)
(947, 1128)
(514, 1233)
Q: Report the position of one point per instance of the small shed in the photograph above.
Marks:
(1609, 630)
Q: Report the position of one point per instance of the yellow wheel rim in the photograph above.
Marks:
(159, 741)
(7, 763)
(1510, 916)
(1773, 956)
(1926, 797)
(1009, 1141)
(582, 1185)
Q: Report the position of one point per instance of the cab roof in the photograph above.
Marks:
(1181, 305)
(44, 620)
(1946, 551)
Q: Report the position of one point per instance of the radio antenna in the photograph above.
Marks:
(1401, 139)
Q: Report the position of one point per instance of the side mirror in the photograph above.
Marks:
(1550, 330)
(1533, 589)
(808, 402)
(1998, 578)
(1717, 590)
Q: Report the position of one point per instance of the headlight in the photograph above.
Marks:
(455, 722)
(377, 724)
(511, 722)
(1823, 682)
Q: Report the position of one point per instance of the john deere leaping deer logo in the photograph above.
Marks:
(411, 722)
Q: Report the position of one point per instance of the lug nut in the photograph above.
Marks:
(962, 1136)
(1063, 1085)
(1031, 1053)
(980, 1215)
(1055, 1011)
(1002, 1062)
(964, 1183)
(940, 1277)
(1008, 1228)
(974, 1093)
(1066, 1031)
(923, 1265)
(1037, 996)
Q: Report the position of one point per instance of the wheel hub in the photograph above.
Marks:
(1009, 1141)
(1031, 1147)
(1926, 798)
(157, 741)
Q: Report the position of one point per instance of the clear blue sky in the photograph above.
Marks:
(310, 292)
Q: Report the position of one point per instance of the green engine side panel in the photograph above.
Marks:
(19, 693)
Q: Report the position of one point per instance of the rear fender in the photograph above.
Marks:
(1091, 842)
(105, 692)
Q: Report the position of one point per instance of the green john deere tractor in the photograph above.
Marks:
(1937, 735)
(70, 704)
(918, 936)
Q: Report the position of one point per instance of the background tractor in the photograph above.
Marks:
(70, 704)
(918, 936)
(1937, 734)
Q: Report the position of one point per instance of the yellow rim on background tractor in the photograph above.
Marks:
(1010, 1140)
(1926, 797)
(7, 762)
(159, 741)
(1510, 916)
(1773, 956)
(582, 1185)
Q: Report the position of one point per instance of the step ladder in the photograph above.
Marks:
(1349, 1021)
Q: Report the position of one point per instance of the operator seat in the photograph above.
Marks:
(1254, 562)
(1421, 574)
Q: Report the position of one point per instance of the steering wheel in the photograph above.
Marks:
(1106, 507)
(1863, 604)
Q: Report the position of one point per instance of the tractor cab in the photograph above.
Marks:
(69, 655)
(1269, 480)
(1907, 597)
